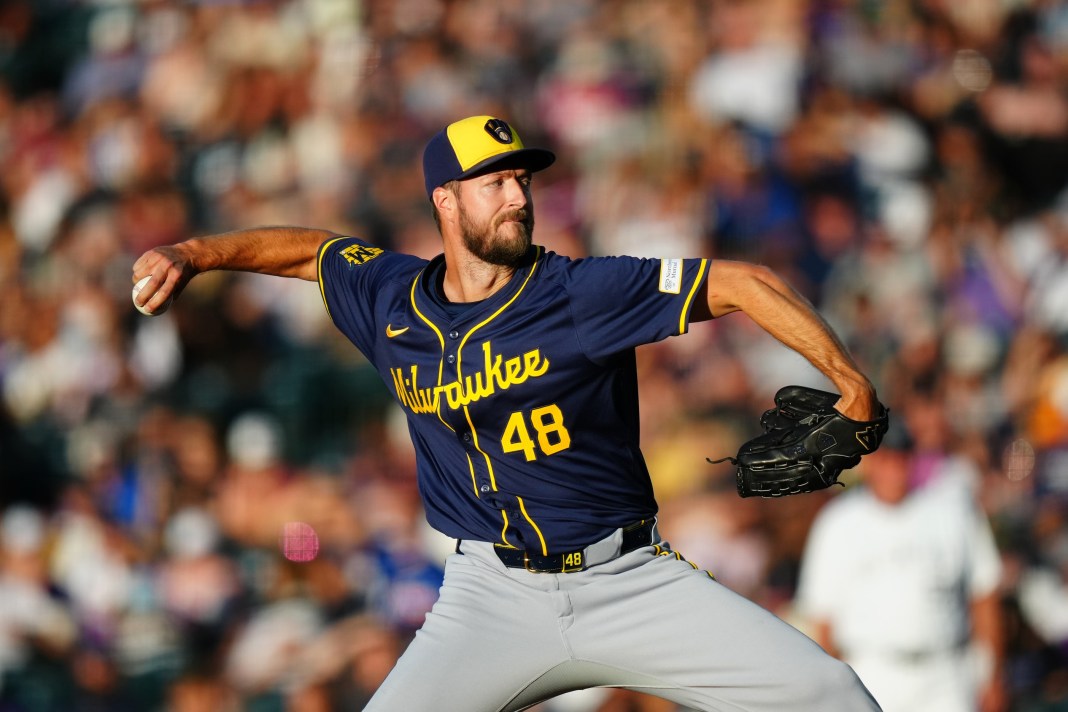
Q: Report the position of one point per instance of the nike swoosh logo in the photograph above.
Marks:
(392, 333)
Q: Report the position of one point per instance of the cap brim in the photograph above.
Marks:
(533, 159)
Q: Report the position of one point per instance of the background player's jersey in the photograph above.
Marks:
(524, 408)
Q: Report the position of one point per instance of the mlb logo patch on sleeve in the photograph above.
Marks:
(671, 276)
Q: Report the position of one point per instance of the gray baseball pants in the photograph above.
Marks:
(502, 639)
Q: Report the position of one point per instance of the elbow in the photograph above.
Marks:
(733, 286)
(759, 286)
(764, 277)
(307, 267)
(309, 271)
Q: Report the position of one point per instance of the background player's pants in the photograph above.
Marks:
(944, 682)
(501, 639)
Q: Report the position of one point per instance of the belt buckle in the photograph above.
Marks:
(527, 566)
(531, 569)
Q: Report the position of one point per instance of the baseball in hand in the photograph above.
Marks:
(137, 289)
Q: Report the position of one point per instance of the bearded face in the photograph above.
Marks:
(500, 240)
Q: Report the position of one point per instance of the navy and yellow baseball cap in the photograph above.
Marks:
(474, 144)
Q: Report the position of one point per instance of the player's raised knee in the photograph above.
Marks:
(827, 684)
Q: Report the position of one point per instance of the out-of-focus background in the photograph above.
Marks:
(903, 163)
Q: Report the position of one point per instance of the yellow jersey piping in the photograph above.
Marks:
(523, 509)
(319, 271)
(441, 342)
(474, 483)
(467, 411)
(689, 297)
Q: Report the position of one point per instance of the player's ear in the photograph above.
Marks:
(444, 199)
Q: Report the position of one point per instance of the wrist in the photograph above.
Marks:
(858, 399)
(196, 256)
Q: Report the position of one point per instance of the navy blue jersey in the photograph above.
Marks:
(523, 409)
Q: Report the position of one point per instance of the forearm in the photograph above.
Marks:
(785, 314)
(280, 251)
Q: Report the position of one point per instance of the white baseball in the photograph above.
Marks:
(137, 289)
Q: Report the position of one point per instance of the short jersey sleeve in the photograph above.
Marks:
(358, 281)
(622, 302)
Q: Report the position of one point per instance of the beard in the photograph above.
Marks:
(502, 241)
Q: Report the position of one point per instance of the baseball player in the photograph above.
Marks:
(516, 369)
(900, 579)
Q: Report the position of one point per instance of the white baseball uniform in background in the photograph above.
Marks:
(895, 584)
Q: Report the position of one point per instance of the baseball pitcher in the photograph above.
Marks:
(516, 369)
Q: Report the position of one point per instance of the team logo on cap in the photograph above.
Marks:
(499, 130)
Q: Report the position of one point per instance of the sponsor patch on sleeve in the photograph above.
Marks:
(671, 276)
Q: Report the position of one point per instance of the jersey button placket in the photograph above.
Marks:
(451, 358)
(484, 487)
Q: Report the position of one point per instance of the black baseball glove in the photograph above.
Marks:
(805, 446)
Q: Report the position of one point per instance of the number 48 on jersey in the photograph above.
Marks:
(547, 423)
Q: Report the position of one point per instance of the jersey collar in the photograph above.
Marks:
(428, 302)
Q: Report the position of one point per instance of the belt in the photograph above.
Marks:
(914, 656)
(629, 538)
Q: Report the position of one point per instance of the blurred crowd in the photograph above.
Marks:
(904, 163)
